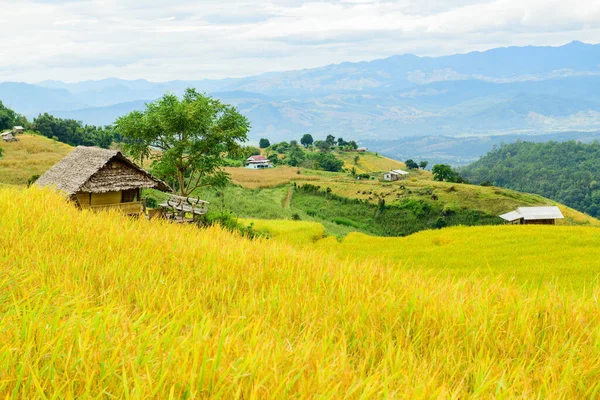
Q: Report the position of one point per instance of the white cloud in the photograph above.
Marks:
(93, 39)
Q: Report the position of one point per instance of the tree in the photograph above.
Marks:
(7, 117)
(264, 143)
(410, 164)
(295, 157)
(423, 164)
(191, 134)
(352, 144)
(341, 142)
(328, 162)
(330, 139)
(356, 159)
(443, 172)
(322, 145)
(307, 140)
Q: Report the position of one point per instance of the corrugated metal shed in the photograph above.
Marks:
(534, 213)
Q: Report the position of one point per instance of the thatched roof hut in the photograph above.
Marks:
(99, 178)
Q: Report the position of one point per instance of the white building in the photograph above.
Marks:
(533, 216)
(394, 175)
(258, 162)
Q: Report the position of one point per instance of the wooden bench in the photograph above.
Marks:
(177, 208)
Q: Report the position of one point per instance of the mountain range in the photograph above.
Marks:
(505, 91)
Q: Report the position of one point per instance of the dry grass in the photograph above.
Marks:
(31, 155)
(98, 306)
(266, 178)
(369, 162)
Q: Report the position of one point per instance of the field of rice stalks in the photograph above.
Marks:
(295, 232)
(267, 178)
(97, 305)
(31, 155)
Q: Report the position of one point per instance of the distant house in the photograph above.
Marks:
(258, 162)
(533, 216)
(394, 175)
(18, 129)
(95, 178)
(361, 149)
(8, 137)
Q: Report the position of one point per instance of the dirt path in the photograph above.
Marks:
(288, 198)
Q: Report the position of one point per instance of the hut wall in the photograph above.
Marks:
(101, 199)
(540, 222)
(83, 199)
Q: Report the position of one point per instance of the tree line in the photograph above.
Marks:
(568, 172)
(68, 131)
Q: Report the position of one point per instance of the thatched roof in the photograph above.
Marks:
(95, 170)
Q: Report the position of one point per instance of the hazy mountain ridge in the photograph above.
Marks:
(514, 90)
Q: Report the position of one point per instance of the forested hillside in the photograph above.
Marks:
(567, 172)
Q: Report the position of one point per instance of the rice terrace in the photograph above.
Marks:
(299, 223)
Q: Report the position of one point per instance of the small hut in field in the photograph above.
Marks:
(533, 216)
(96, 178)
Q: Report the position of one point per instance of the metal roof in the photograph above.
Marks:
(399, 172)
(533, 213)
(511, 216)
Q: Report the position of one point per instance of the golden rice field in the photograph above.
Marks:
(295, 232)
(99, 306)
(369, 162)
(31, 155)
(266, 178)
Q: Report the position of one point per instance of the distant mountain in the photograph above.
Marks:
(514, 90)
(101, 116)
(30, 100)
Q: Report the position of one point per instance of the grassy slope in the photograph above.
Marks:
(369, 162)
(92, 309)
(31, 155)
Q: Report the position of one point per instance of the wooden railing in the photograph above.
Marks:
(183, 209)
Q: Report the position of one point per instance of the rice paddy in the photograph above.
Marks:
(101, 306)
(31, 155)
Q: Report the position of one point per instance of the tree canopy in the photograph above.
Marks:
(8, 117)
(264, 143)
(73, 132)
(567, 172)
(410, 164)
(191, 135)
(306, 140)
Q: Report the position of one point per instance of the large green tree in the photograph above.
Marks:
(191, 134)
(7, 117)
(306, 140)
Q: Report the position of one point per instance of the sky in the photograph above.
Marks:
(161, 40)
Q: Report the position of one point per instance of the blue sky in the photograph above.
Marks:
(74, 40)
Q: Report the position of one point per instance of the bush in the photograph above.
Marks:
(311, 212)
(345, 222)
(440, 223)
(296, 217)
(32, 180)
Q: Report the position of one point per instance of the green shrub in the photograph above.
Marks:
(345, 222)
